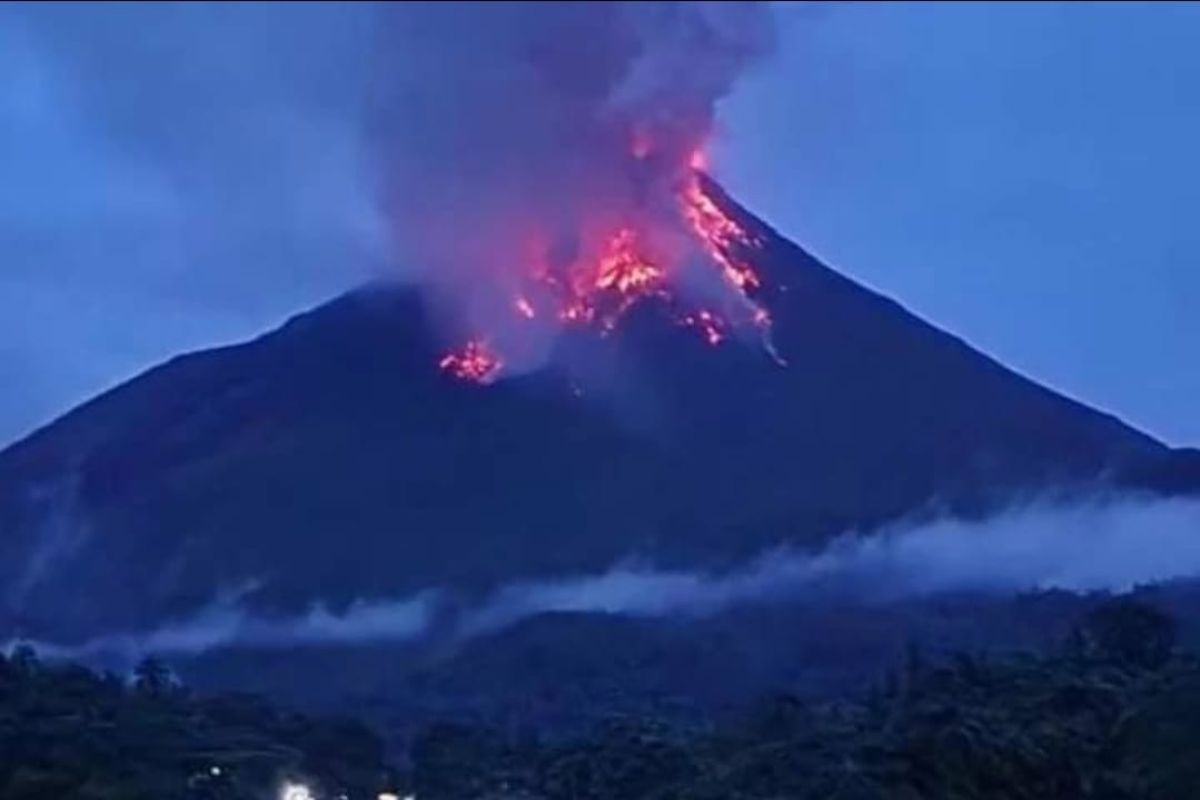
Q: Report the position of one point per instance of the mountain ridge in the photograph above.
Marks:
(339, 432)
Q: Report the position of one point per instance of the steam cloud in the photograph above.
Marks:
(506, 131)
(1102, 545)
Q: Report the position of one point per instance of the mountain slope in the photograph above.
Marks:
(331, 459)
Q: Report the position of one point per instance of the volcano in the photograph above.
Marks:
(333, 459)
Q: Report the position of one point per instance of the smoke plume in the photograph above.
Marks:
(203, 170)
(516, 136)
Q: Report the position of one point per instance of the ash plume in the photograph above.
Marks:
(230, 163)
(511, 133)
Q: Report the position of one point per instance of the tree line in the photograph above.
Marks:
(1111, 714)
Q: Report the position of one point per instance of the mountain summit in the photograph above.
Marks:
(332, 459)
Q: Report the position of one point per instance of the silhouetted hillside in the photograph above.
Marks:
(331, 459)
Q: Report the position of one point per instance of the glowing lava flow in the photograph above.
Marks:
(599, 290)
(602, 292)
(475, 362)
(718, 234)
(623, 269)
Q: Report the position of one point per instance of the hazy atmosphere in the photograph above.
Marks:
(599, 401)
(1024, 177)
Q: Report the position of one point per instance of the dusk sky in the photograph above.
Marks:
(1024, 176)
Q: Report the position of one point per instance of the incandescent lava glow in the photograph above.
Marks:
(598, 285)
(599, 291)
(623, 268)
(550, 184)
(475, 362)
(719, 235)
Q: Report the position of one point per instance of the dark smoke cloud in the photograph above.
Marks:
(1101, 545)
(507, 127)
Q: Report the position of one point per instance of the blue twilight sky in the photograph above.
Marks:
(1024, 175)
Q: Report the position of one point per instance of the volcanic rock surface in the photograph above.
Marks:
(332, 459)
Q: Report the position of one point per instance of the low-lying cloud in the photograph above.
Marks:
(226, 624)
(1100, 545)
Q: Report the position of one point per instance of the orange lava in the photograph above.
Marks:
(475, 362)
(719, 235)
(623, 268)
(600, 289)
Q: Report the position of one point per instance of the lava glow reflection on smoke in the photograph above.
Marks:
(598, 288)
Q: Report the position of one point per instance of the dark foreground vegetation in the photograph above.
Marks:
(67, 733)
(1114, 714)
(1111, 714)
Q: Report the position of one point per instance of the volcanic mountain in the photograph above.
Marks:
(332, 459)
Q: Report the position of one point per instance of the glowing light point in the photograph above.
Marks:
(524, 308)
(709, 324)
(295, 791)
(475, 362)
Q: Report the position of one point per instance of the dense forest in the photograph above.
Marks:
(1113, 713)
(68, 732)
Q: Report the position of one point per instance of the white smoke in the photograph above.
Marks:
(1099, 545)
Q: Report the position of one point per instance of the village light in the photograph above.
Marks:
(295, 791)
